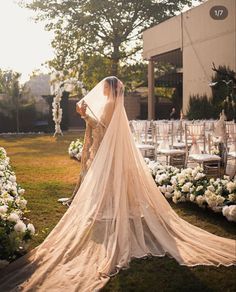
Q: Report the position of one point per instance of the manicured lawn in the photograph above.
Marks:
(44, 169)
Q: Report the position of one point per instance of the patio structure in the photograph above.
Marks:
(191, 41)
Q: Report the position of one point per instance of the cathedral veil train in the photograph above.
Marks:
(117, 214)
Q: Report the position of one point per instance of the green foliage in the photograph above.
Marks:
(223, 93)
(13, 108)
(9, 83)
(221, 90)
(94, 69)
(223, 97)
(111, 28)
(9, 86)
(200, 107)
(135, 75)
(12, 244)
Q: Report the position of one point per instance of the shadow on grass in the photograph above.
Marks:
(165, 274)
(199, 216)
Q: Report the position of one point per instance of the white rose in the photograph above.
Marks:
(232, 197)
(230, 212)
(231, 186)
(1, 173)
(220, 200)
(225, 211)
(12, 178)
(173, 181)
(20, 226)
(224, 181)
(200, 200)
(162, 189)
(13, 217)
(169, 189)
(192, 197)
(199, 176)
(3, 209)
(21, 202)
(182, 199)
(174, 199)
(186, 187)
(211, 188)
(181, 181)
(161, 178)
(21, 191)
(177, 194)
(31, 228)
(168, 195)
(2, 167)
(189, 170)
(208, 193)
(212, 201)
(194, 172)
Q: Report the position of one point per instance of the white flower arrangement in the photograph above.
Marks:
(15, 232)
(75, 149)
(192, 185)
(230, 212)
(61, 83)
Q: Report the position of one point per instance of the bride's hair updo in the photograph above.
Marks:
(113, 83)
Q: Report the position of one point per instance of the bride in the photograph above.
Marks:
(95, 130)
(117, 214)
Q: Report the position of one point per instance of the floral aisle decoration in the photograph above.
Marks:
(192, 185)
(63, 82)
(57, 111)
(75, 149)
(15, 229)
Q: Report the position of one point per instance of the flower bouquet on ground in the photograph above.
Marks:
(15, 229)
(75, 149)
(191, 184)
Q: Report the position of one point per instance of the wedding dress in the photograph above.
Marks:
(94, 133)
(117, 214)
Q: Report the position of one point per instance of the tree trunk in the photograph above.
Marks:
(115, 58)
(114, 67)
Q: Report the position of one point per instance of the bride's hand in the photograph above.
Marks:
(81, 110)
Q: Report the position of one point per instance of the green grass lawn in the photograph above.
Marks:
(44, 169)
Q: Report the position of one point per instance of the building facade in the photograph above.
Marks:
(192, 41)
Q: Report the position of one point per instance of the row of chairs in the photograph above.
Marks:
(184, 142)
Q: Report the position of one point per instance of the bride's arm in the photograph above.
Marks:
(92, 122)
(105, 117)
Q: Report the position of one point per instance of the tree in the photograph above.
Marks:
(11, 103)
(223, 90)
(9, 87)
(110, 28)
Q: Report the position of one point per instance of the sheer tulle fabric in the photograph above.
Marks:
(118, 213)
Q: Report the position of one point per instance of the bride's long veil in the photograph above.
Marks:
(118, 213)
